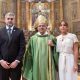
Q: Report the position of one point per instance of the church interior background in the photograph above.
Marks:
(55, 10)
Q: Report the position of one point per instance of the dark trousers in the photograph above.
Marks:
(13, 74)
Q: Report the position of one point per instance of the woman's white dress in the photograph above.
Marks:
(66, 56)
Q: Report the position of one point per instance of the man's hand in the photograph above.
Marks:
(50, 43)
(14, 64)
(4, 64)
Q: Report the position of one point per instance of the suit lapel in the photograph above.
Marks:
(13, 33)
(5, 33)
(7, 37)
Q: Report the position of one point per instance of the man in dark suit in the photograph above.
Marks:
(12, 48)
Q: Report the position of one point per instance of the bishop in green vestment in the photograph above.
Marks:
(40, 56)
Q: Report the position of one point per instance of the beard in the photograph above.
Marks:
(10, 24)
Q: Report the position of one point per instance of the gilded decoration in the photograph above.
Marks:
(37, 9)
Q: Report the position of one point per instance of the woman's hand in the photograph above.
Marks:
(75, 67)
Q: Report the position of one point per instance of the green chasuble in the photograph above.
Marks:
(40, 59)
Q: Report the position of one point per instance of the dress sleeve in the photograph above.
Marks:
(75, 39)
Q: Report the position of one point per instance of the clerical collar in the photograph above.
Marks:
(7, 27)
(43, 34)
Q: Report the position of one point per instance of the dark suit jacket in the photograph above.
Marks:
(13, 49)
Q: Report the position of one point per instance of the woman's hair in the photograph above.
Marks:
(66, 24)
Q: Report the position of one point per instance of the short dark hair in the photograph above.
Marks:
(66, 24)
(9, 14)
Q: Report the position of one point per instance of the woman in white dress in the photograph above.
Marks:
(67, 46)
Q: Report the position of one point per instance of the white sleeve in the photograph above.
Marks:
(75, 39)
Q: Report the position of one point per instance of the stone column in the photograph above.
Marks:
(0, 9)
(52, 15)
(18, 13)
(61, 10)
(27, 15)
(79, 8)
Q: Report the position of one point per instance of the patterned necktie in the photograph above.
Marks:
(9, 33)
